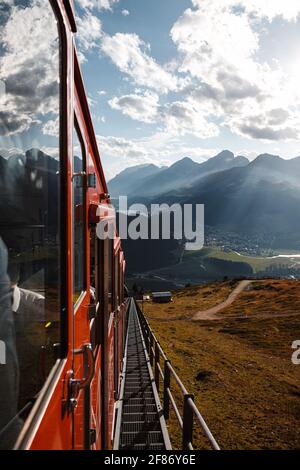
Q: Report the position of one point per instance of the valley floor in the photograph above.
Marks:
(238, 366)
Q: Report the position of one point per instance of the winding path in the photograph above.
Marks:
(211, 313)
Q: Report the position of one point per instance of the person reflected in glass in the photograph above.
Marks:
(10, 423)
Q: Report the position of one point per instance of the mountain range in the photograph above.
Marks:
(261, 196)
(151, 180)
(242, 196)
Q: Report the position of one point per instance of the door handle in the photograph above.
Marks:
(88, 364)
(75, 385)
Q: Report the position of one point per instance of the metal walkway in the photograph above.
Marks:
(140, 424)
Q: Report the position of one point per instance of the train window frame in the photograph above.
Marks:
(80, 133)
(110, 274)
(116, 279)
(95, 327)
(96, 246)
(38, 409)
(121, 291)
(100, 292)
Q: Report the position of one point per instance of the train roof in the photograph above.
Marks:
(161, 294)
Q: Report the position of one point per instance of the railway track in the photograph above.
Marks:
(140, 423)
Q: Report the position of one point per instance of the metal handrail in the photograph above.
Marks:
(190, 410)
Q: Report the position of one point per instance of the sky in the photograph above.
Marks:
(165, 79)
(29, 77)
(173, 78)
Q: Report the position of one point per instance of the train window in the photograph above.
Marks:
(110, 268)
(101, 276)
(94, 285)
(78, 215)
(116, 280)
(94, 273)
(121, 290)
(29, 207)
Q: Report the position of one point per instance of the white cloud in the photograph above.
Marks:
(51, 127)
(142, 107)
(89, 31)
(182, 117)
(97, 4)
(176, 118)
(289, 9)
(209, 39)
(25, 101)
(217, 72)
(269, 9)
(119, 146)
(130, 54)
(270, 125)
(117, 153)
(218, 44)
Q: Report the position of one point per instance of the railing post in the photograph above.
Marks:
(156, 366)
(148, 333)
(188, 421)
(167, 381)
(151, 349)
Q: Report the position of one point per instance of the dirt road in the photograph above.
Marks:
(211, 313)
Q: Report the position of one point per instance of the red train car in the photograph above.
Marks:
(62, 306)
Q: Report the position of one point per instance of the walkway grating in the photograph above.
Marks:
(140, 423)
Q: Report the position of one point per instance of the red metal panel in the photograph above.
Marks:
(111, 399)
(52, 428)
(96, 401)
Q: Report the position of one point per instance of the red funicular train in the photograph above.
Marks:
(62, 306)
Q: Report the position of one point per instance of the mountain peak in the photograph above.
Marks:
(266, 159)
(268, 155)
(225, 155)
(241, 159)
(185, 161)
(136, 168)
(125, 182)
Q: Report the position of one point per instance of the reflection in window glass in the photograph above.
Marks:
(29, 207)
(94, 268)
(94, 283)
(116, 280)
(121, 289)
(78, 218)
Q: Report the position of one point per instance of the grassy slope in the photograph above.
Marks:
(258, 263)
(248, 389)
(192, 260)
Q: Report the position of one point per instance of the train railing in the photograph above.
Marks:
(163, 373)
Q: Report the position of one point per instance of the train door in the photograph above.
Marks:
(117, 319)
(83, 356)
(96, 334)
(107, 332)
(34, 227)
(123, 306)
(108, 351)
(101, 328)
